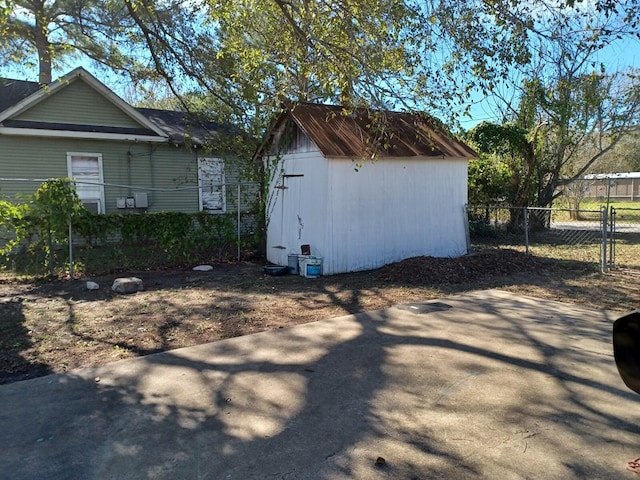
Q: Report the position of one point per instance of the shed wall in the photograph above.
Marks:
(360, 220)
(394, 209)
(298, 212)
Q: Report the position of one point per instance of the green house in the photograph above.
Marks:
(123, 159)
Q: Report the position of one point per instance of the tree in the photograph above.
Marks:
(250, 55)
(570, 112)
(45, 33)
(623, 157)
(43, 220)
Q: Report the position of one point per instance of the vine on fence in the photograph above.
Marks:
(41, 222)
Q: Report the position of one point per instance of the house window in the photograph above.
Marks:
(211, 185)
(86, 170)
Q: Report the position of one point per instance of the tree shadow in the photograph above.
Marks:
(449, 389)
(15, 340)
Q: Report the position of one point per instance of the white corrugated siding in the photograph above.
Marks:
(359, 220)
(394, 209)
(298, 211)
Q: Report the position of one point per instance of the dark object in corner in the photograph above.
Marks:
(626, 349)
(275, 270)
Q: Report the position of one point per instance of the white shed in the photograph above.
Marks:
(363, 188)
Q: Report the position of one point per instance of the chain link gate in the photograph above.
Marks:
(608, 236)
(622, 238)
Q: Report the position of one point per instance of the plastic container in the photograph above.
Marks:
(301, 260)
(294, 266)
(275, 270)
(312, 267)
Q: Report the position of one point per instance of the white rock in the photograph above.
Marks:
(127, 285)
(92, 286)
(203, 268)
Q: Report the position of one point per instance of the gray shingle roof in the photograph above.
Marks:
(179, 126)
(13, 91)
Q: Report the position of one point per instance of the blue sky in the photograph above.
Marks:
(618, 56)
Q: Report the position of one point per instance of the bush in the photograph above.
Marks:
(37, 231)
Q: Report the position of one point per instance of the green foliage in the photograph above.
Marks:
(48, 33)
(34, 231)
(178, 237)
(488, 180)
(13, 224)
(505, 170)
(506, 140)
(42, 221)
(53, 206)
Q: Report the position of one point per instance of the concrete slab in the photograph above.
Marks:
(482, 385)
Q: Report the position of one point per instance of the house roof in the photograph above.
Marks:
(17, 96)
(13, 91)
(180, 126)
(339, 132)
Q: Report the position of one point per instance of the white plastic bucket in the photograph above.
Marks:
(312, 267)
(301, 265)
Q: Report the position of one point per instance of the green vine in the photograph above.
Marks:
(41, 223)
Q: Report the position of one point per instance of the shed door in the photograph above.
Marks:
(291, 226)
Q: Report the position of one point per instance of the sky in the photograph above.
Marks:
(619, 56)
(616, 57)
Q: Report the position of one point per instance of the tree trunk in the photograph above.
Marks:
(43, 46)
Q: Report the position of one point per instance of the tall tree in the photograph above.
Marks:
(44, 33)
(252, 54)
(569, 110)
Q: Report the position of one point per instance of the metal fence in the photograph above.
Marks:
(608, 236)
(241, 211)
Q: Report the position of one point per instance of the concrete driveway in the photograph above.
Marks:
(482, 385)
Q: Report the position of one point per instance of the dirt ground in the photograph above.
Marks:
(61, 325)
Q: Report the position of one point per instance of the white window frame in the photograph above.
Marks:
(202, 185)
(98, 156)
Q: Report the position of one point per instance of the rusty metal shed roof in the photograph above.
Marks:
(362, 133)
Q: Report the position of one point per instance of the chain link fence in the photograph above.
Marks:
(233, 234)
(624, 237)
(605, 237)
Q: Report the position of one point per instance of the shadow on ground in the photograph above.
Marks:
(483, 385)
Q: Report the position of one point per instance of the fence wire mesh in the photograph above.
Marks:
(608, 237)
(624, 237)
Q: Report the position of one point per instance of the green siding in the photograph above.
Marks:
(78, 103)
(167, 173)
(170, 174)
(149, 166)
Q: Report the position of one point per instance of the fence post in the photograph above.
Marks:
(525, 213)
(238, 207)
(466, 227)
(603, 247)
(70, 252)
(612, 237)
